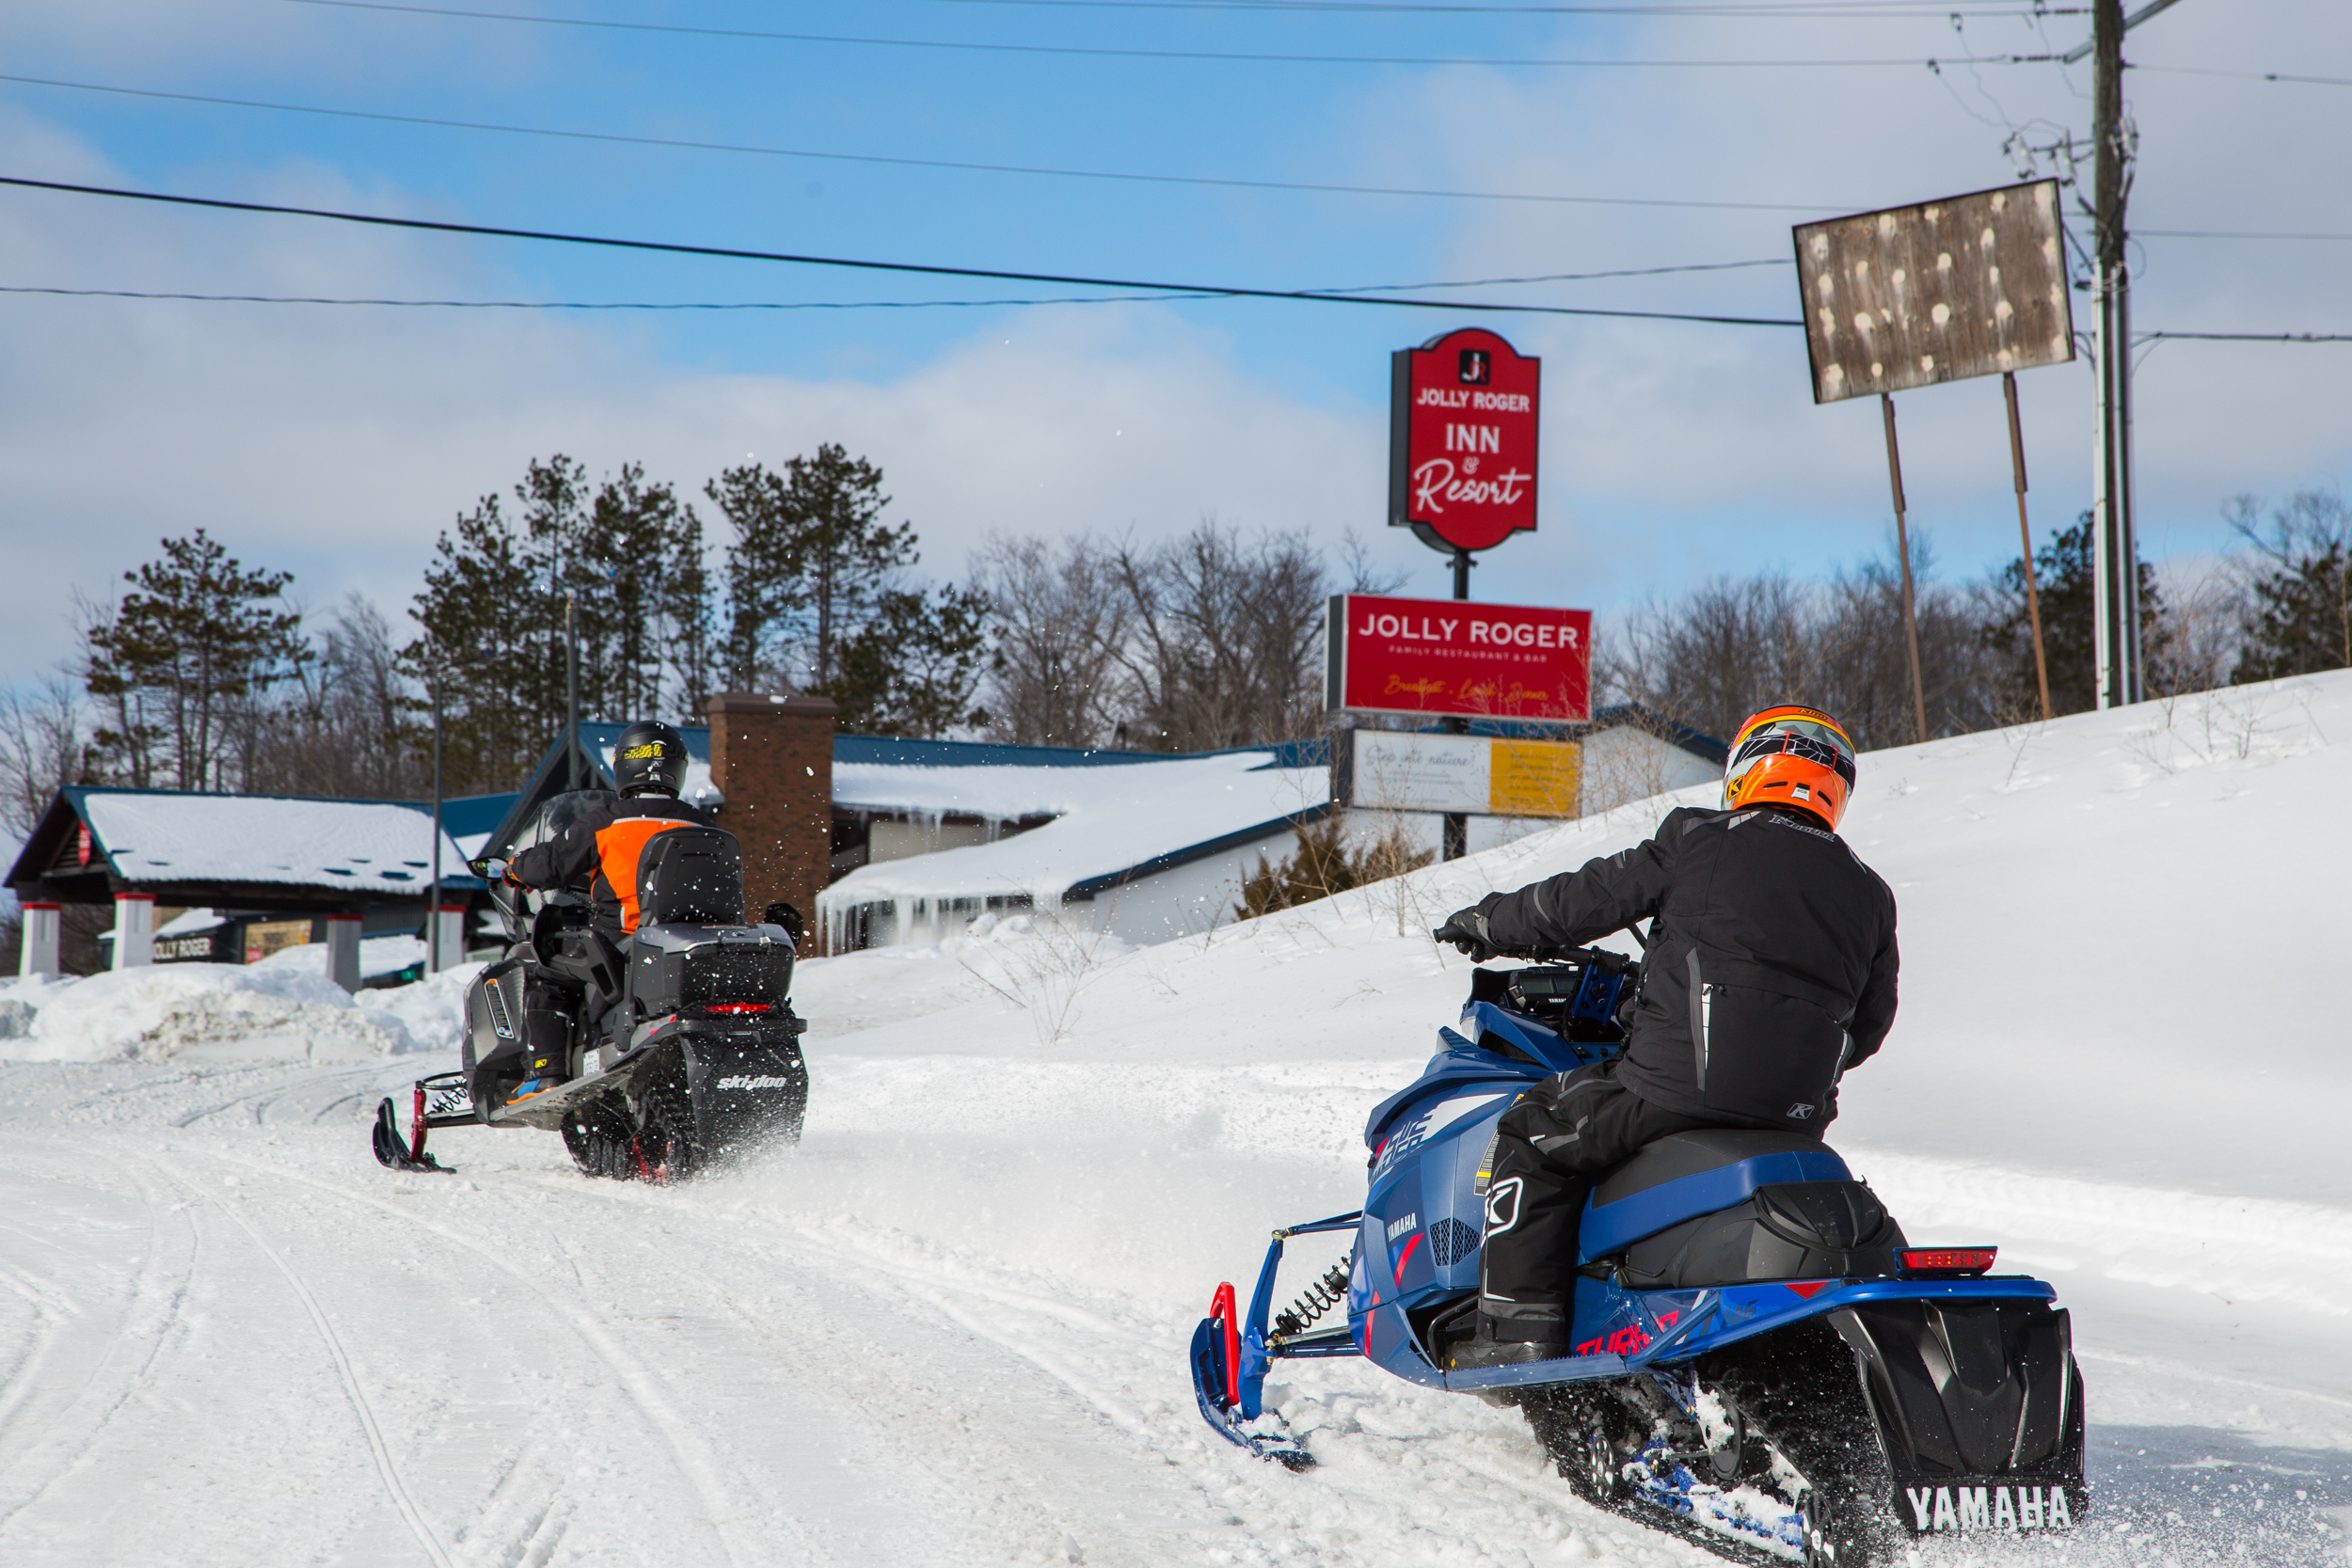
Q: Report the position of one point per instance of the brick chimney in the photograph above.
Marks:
(772, 758)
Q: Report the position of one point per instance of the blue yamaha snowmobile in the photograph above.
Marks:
(1761, 1361)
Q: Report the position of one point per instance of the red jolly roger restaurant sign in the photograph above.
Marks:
(1457, 658)
(1462, 426)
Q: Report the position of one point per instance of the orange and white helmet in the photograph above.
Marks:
(1791, 756)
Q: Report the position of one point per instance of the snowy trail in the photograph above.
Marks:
(517, 1366)
(949, 1327)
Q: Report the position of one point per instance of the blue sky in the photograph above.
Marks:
(337, 441)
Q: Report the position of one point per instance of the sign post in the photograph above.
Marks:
(1913, 297)
(1464, 419)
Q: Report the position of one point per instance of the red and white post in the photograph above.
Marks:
(43, 925)
(135, 930)
(343, 950)
(447, 938)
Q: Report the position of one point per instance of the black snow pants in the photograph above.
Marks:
(1550, 1148)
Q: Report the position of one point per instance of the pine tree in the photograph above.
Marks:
(2067, 580)
(175, 662)
(811, 560)
(2298, 620)
(910, 670)
(624, 559)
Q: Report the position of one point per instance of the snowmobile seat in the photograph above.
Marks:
(689, 877)
(1686, 1175)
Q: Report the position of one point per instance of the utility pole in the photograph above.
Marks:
(2115, 554)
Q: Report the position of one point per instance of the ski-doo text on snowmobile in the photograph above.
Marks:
(651, 1059)
(1760, 1358)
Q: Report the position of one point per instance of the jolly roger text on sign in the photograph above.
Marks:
(1451, 657)
(1462, 435)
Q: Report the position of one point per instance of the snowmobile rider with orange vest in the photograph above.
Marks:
(598, 852)
(1770, 971)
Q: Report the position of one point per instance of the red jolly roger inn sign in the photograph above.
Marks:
(1453, 657)
(1462, 425)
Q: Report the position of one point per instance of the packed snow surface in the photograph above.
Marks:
(357, 846)
(948, 1328)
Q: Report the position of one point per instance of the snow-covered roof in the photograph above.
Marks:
(367, 847)
(1108, 822)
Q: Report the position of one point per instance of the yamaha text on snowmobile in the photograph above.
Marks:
(1760, 1359)
(662, 1056)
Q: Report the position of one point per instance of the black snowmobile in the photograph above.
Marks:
(677, 1052)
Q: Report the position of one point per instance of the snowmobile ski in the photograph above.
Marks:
(441, 1101)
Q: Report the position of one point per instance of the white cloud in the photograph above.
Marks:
(337, 442)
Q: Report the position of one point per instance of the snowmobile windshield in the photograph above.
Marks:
(554, 818)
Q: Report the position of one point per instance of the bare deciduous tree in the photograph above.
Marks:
(1061, 617)
(1226, 633)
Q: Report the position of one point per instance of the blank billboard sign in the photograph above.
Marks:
(1975, 285)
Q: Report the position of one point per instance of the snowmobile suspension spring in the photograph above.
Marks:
(1317, 1299)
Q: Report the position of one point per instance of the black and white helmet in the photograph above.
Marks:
(650, 759)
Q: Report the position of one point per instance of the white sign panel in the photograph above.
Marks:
(1421, 772)
(1416, 771)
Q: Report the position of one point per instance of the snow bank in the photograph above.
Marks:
(432, 1012)
(284, 1009)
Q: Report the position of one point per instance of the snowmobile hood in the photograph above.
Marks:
(1457, 1063)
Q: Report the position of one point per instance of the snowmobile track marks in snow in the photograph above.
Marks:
(63, 1438)
(386, 1467)
(696, 1462)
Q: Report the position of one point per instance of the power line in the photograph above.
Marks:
(837, 305)
(953, 165)
(2246, 75)
(2247, 336)
(589, 305)
(1104, 52)
(998, 275)
(2227, 234)
(886, 305)
(1798, 9)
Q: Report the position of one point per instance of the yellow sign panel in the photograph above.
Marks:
(1533, 778)
(265, 937)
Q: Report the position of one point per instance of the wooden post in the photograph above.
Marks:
(1902, 549)
(2024, 534)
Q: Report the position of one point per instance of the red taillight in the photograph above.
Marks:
(741, 1006)
(1948, 1260)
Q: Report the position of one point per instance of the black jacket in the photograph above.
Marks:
(598, 852)
(1771, 967)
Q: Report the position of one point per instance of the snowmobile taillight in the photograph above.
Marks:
(740, 1007)
(1950, 1259)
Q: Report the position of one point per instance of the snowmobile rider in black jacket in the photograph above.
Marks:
(597, 853)
(1770, 971)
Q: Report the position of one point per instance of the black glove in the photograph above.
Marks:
(1467, 929)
